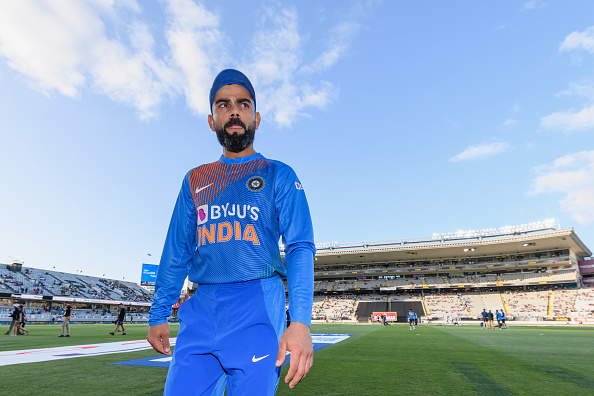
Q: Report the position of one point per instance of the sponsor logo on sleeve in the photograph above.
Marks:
(298, 186)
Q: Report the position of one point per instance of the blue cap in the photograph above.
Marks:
(231, 76)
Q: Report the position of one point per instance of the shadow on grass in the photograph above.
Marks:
(566, 375)
(483, 384)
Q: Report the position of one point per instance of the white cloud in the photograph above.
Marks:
(572, 176)
(60, 46)
(195, 41)
(481, 151)
(68, 46)
(44, 43)
(338, 43)
(579, 41)
(276, 65)
(516, 108)
(533, 5)
(585, 89)
(570, 121)
(575, 120)
(509, 123)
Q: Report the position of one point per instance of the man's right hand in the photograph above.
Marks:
(158, 337)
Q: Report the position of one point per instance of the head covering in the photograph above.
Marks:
(231, 76)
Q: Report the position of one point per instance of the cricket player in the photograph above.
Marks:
(224, 235)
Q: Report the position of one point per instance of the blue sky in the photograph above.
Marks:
(402, 119)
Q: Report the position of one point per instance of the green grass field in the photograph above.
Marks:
(376, 360)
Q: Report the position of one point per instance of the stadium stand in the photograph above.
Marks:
(531, 272)
(43, 293)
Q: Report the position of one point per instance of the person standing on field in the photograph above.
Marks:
(15, 319)
(485, 316)
(120, 320)
(22, 319)
(412, 319)
(224, 236)
(490, 317)
(66, 324)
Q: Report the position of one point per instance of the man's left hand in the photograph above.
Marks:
(297, 340)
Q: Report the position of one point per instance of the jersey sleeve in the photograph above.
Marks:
(297, 235)
(178, 251)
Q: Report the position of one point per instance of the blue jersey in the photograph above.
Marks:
(226, 226)
(412, 316)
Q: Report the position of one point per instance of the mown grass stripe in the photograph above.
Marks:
(567, 375)
(481, 382)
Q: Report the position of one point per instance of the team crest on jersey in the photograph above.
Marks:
(255, 183)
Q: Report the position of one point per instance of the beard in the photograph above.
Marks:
(236, 142)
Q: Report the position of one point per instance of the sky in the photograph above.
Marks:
(401, 119)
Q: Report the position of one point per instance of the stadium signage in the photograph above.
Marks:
(389, 315)
(110, 302)
(149, 274)
(586, 266)
(58, 298)
(27, 296)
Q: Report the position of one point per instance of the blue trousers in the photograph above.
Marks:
(229, 337)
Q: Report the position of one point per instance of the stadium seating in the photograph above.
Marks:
(34, 281)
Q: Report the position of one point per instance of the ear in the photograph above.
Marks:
(211, 122)
(257, 117)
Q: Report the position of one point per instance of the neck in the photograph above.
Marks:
(248, 151)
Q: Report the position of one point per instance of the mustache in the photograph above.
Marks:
(234, 122)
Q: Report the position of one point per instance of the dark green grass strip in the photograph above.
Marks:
(482, 383)
(568, 376)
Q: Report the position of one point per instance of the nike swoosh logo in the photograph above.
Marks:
(258, 359)
(202, 188)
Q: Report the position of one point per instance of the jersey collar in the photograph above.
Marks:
(240, 160)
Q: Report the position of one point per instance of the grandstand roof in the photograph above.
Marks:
(479, 246)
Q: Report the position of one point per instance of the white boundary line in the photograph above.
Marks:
(46, 354)
(73, 351)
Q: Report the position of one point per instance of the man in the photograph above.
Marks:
(120, 320)
(412, 319)
(503, 318)
(15, 320)
(66, 324)
(22, 319)
(490, 317)
(485, 316)
(498, 317)
(224, 235)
